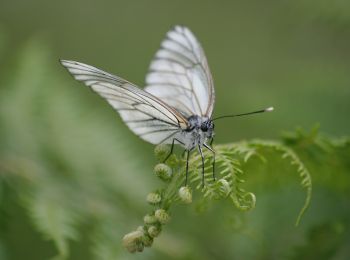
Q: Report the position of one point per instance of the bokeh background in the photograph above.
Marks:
(68, 159)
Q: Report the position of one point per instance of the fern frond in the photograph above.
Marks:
(288, 153)
(54, 221)
(229, 160)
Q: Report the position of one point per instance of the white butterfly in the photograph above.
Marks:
(177, 103)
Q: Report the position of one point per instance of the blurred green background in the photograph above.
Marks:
(68, 160)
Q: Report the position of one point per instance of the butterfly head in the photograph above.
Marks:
(202, 126)
(207, 126)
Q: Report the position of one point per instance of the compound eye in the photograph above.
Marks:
(204, 127)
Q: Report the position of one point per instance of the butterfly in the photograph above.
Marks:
(177, 103)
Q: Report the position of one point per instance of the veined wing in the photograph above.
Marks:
(180, 76)
(146, 115)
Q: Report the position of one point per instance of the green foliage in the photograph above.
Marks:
(63, 179)
(67, 168)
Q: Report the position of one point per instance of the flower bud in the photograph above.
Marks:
(153, 198)
(154, 231)
(150, 219)
(133, 241)
(163, 171)
(161, 151)
(185, 194)
(162, 216)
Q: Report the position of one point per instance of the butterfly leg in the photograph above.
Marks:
(188, 157)
(211, 149)
(211, 141)
(172, 148)
(201, 152)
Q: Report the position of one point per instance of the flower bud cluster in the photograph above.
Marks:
(150, 219)
(154, 198)
(162, 216)
(163, 171)
(154, 231)
(143, 236)
(185, 194)
(133, 241)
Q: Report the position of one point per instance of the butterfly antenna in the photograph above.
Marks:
(269, 109)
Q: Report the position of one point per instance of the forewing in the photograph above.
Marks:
(179, 74)
(146, 115)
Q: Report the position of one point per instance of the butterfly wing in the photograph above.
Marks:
(146, 115)
(179, 74)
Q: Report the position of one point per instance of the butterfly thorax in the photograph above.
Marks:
(199, 131)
